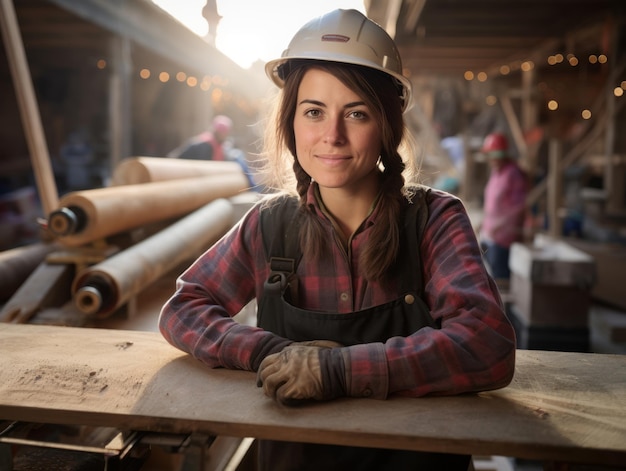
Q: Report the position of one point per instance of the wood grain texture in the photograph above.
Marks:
(560, 406)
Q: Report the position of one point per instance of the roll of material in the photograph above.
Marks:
(17, 264)
(90, 215)
(136, 170)
(99, 290)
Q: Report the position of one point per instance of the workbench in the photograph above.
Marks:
(560, 407)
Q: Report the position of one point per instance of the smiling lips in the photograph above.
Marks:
(333, 159)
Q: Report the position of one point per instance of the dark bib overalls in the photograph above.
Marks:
(400, 317)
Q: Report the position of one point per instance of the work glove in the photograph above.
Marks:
(303, 371)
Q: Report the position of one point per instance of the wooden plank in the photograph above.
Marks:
(48, 285)
(560, 406)
(18, 263)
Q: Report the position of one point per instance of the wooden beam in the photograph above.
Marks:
(29, 110)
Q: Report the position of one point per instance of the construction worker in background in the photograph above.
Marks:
(215, 145)
(209, 145)
(504, 207)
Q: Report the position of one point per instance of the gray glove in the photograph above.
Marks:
(303, 371)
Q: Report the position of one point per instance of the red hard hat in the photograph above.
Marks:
(495, 142)
(222, 125)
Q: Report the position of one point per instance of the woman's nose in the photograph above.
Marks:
(335, 132)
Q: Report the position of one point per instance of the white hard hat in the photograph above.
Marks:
(345, 36)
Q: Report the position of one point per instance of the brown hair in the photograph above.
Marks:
(380, 93)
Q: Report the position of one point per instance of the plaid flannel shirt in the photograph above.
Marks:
(473, 350)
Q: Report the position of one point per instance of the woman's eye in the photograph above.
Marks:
(313, 113)
(357, 115)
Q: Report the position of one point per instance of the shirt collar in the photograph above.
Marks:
(314, 201)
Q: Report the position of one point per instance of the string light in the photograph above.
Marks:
(552, 60)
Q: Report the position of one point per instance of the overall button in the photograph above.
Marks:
(344, 297)
(409, 299)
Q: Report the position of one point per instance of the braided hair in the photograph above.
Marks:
(379, 91)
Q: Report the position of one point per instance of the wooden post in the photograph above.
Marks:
(29, 111)
(120, 109)
(554, 187)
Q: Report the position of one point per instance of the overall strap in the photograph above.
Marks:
(280, 225)
(415, 221)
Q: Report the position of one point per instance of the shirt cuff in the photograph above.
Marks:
(367, 374)
(271, 343)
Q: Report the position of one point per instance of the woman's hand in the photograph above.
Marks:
(294, 374)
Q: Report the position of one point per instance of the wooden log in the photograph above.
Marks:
(134, 170)
(86, 216)
(102, 288)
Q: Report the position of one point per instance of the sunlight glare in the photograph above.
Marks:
(252, 30)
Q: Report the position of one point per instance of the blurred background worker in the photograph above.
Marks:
(209, 145)
(504, 206)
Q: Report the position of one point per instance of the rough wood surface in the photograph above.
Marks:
(560, 406)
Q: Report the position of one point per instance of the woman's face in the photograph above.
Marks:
(338, 141)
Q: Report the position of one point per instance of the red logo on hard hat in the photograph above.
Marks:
(338, 38)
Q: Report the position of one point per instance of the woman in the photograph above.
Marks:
(390, 295)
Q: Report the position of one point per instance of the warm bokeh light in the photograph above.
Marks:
(164, 77)
(482, 76)
(553, 105)
(181, 76)
(586, 114)
(468, 75)
(527, 66)
(144, 74)
(618, 91)
(101, 64)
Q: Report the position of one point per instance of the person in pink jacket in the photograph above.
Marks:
(504, 208)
